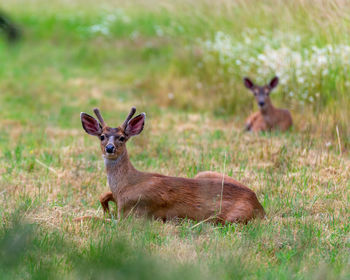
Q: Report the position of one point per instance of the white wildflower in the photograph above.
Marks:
(159, 31)
(134, 35)
(301, 80)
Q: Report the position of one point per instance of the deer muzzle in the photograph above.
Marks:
(110, 149)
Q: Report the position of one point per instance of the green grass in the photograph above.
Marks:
(154, 57)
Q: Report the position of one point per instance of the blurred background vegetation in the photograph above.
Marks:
(182, 62)
(187, 55)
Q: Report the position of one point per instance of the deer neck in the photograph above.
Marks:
(268, 113)
(268, 110)
(119, 170)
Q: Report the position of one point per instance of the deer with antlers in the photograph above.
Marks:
(269, 117)
(209, 196)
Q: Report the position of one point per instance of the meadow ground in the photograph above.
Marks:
(182, 63)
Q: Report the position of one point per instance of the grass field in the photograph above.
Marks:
(182, 63)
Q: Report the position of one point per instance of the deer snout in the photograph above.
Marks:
(110, 149)
(261, 103)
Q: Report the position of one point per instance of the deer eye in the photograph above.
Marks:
(121, 138)
(102, 137)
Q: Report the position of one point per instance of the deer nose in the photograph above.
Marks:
(261, 103)
(110, 149)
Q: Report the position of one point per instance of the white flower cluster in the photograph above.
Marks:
(119, 15)
(298, 68)
(104, 26)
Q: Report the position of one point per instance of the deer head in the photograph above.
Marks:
(112, 140)
(261, 93)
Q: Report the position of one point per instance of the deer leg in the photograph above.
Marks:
(216, 175)
(239, 215)
(208, 175)
(104, 199)
(251, 120)
(242, 212)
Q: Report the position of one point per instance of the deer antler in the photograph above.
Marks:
(132, 112)
(99, 116)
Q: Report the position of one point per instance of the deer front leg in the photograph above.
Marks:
(250, 121)
(104, 199)
(216, 175)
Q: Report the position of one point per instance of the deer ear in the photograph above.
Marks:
(248, 83)
(274, 82)
(135, 125)
(90, 124)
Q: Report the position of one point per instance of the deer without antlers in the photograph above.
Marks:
(269, 117)
(206, 197)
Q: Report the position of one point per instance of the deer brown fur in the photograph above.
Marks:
(165, 197)
(269, 117)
